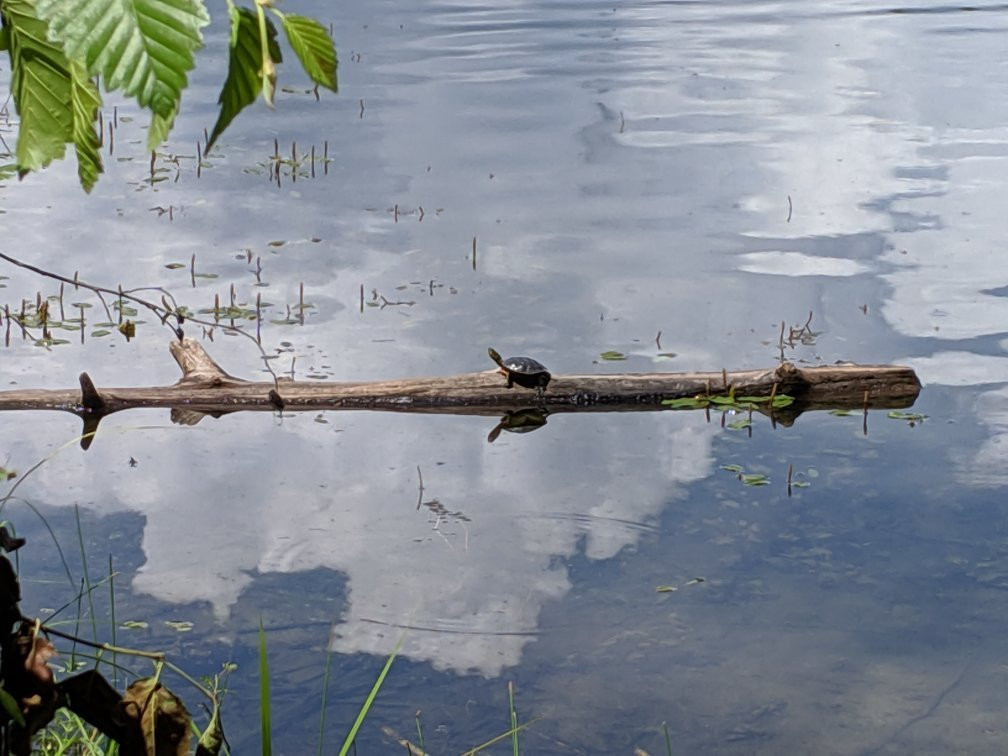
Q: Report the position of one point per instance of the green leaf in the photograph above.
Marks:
(160, 127)
(686, 402)
(910, 417)
(267, 70)
(613, 355)
(11, 707)
(143, 47)
(313, 47)
(733, 468)
(4, 38)
(243, 82)
(40, 84)
(85, 100)
(754, 479)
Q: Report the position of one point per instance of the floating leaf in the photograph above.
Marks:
(6, 474)
(740, 424)
(686, 402)
(733, 468)
(800, 484)
(910, 417)
(779, 400)
(613, 356)
(175, 266)
(754, 479)
(128, 329)
(183, 626)
(666, 589)
(841, 412)
(134, 625)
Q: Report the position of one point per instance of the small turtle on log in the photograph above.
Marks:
(524, 371)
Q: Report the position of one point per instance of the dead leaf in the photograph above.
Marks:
(164, 721)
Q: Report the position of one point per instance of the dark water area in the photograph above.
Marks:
(670, 180)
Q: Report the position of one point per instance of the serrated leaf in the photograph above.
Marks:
(85, 100)
(40, 84)
(314, 48)
(160, 127)
(245, 62)
(143, 47)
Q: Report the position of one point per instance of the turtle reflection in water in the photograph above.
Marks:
(520, 421)
(524, 371)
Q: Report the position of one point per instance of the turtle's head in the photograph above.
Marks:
(495, 356)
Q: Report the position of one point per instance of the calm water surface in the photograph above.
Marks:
(702, 171)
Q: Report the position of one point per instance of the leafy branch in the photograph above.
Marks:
(144, 49)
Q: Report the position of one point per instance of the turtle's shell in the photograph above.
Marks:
(526, 372)
(524, 365)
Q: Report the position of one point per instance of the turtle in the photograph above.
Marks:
(524, 371)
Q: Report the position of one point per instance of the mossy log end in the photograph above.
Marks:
(206, 388)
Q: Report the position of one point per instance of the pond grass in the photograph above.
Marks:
(264, 694)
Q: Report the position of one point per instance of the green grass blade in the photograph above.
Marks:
(264, 694)
(325, 691)
(502, 737)
(514, 719)
(111, 582)
(366, 707)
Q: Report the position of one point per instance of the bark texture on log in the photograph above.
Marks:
(208, 389)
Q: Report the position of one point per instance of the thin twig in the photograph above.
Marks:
(158, 310)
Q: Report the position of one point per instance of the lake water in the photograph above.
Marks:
(656, 178)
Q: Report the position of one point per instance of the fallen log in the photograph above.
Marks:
(206, 389)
